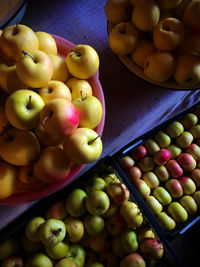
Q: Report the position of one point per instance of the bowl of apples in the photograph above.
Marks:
(52, 113)
(157, 40)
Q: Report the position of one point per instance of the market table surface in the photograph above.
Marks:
(133, 106)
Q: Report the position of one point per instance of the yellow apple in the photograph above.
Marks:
(191, 16)
(146, 15)
(90, 111)
(117, 11)
(82, 61)
(123, 38)
(79, 87)
(46, 42)
(159, 66)
(60, 70)
(54, 89)
(8, 179)
(16, 38)
(187, 70)
(34, 68)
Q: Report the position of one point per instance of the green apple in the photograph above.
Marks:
(142, 187)
(126, 162)
(189, 203)
(97, 202)
(151, 146)
(144, 231)
(189, 120)
(97, 264)
(95, 183)
(52, 231)
(59, 117)
(19, 147)
(174, 151)
(54, 89)
(8, 179)
(90, 111)
(178, 212)
(184, 140)
(151, 179)
(46, 42)
(188, 185)
(162, 173)
(162, 195)
(174, 187)
(34, 68)
(32, 228)
(166, 221)
(57, 251)
(162, 139)
(75, 202)
(22, 109)
(196, 197)
(39, 260)
(74, 229)
(52, 165)
(129, 240)
(194, 150)
(146, 164)
(131, 214)
(66, 262)
(77, 253)
(154, 205)
(82, 61)
(79, 87)
(60, 70)
(195, 175)
(174, 129)
(195, 131)
(93, 224)
(16, 38)
(83, 146)
(8, 247)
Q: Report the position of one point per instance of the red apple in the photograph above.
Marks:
(126, 162)
(186, 161)
(195, 175)
(174, 168)
(174, 187)
(133, 259)
(139, 152)
(161, 157)
(151, 248)
(194, 150)
(134, 173)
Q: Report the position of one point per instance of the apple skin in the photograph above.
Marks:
(162, 139)
(123, 38)
(9, 247)
(46, 42)
(97, 202)
(186, 161)
(59, 117)
(146, 164)
(112, 210)
(189, 120)
(115, 224)
(174, 187)
(175, 129)
(139, 152)
(95, 183)
(82, 61)
(151, 248)
(52, 231)
(126, 162)
(162, 195)
(118, 192)
(79, 87)
(32, 228)
(75, 202)
(77, 253)
(54, 89)
(131, 214)
(178, 213)
(74, 229)
(30, 246)
(195, 131)
(174, 168)
(196, 197)
(22, 109)
(133, 259)
(52, 165)
(3, 120)
(134, 173)
(39, 260)
(8, 179)
(100, 243)
(60, 70)
(66, 262)
(162, 173)
(57, 251)
(174, 151)
(194, 150)
(129, 240)
(13, 261)
(35, 68)
(83, 146)
(22, 145)
(90, 111)
(23, 38)
(142, 187)
(168, 4)
(116, 247)
(188, 185)
(151, 179)
(143, 232)
(189, 203)
(195, 175)
(166, 221)
(161, 157)
(93, 224)
(153, 204)
(151, 146)
(46, 138)
(191, 15)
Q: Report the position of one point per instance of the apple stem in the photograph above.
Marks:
(90, 142)
(46, 118)
(16, 29)
(28, 106)
(27, 54)
(56, 232)
(75, 54)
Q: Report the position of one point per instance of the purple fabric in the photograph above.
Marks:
(133, 106)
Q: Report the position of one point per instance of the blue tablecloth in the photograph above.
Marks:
(133, 106)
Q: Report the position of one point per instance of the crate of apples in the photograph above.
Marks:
(94, 222)
(165, 170)
(52, 113)
(158, 40)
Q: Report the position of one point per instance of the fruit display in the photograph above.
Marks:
(52, 112)
(157, 40)
(93, 222)
(164, 169)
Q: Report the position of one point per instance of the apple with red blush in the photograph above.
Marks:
(174, 151)
(126, 162)
(189, 120)
(194, 150)
(162, 139)
(146, 164)
(134, 173)
(56, 210)
(139, 152)
(134, 259)
(185, 139)
(188, 185)
(174, 168)
(115, 225)
(186, 161)
(174, 187)
(118, 192)
(195, 175)
(142, 187)
(161, 157)
(162, 173)
(195, 131)
(151, 248)
(151, 146)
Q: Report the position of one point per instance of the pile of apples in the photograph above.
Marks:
(162, 37)
(96, 224)
(49, 114)
(165, 170)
